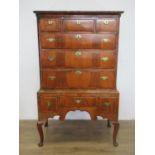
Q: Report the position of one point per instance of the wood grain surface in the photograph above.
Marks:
(77, 138)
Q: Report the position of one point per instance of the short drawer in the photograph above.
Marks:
(109, 105)
(82, 25)
(78, 58)
(49, 24)
(99, 41)
(107, 25)
(77, 78)
(70, 101)
(47, 103)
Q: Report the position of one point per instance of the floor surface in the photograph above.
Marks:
(76, 138)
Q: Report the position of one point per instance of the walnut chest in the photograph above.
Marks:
(78, 65)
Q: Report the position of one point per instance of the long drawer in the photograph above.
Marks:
(78, 40)
(81, 78)
(81, 58)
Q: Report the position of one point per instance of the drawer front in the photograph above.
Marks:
(50, 40)
(49, 24)
(47, 103)
(70, 101)
(100, 41)
(108, 105)
(78, 58)
(78, 25)
(78, 79)
(106, 25)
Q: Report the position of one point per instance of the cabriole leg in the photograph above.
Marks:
(40, 130)
(115, 131)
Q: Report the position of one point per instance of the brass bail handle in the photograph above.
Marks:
(51, 39)
(78, 53)
(105, 40)
(51, 78)
(51, 58)
(77, 101)
(107, 104)
(105, 21)
(104, 59)
(78, 72)
(104, 78)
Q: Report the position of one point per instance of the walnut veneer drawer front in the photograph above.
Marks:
(82, 58)
(50, 24)
(109, 105)
(47, 103)
(70, 101)
(99, 41)
(78, 25)
(78, 79)
(107, 25)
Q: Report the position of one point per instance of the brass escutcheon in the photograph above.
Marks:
(78, 36)
(78, 22)
(50, 22)
(49, 104)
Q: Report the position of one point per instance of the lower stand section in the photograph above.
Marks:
(115, 131)
(40, 130)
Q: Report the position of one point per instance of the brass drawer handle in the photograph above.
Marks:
(51, 77)
(49, 104)
(78, 72)
(51, 39)
(50, 22)
(106, 40)
(78, 36)
(77, 101)
(78, 22)
(104, 77)
(78, 53)
(106, 104)
(51, 58)
(104, 59)
(105, 21)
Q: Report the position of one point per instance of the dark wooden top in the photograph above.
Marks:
(79, 12)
